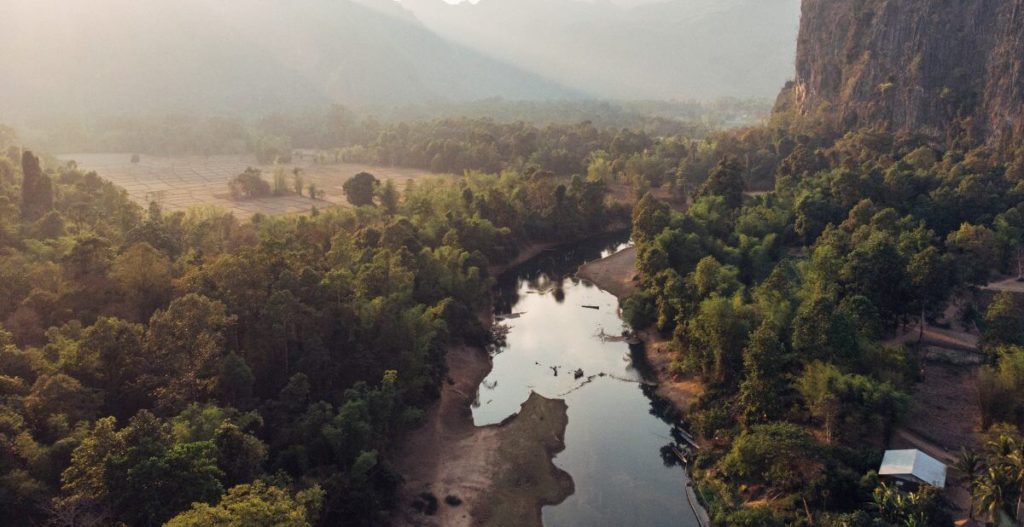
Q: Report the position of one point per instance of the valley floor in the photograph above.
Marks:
(181, 182)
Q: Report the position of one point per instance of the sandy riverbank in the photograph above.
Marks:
(503, 474)
(617, 275)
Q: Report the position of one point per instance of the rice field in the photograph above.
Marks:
(181, 182)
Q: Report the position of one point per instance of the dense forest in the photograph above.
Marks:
(191, 369)
(267, 369)
(780, 304)
(369, 133)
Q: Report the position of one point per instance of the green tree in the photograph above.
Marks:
(761, 392)
(256, 505)
(717, 335)
(361, 188)
(240, 456)
(650, 217)
(297, 181)
(1004, 320)
(144, 276)
(186, 344)
(280, 181)
(929, 272)
(234, 381)
(819, 386)
(151, 487)
(36, 189)
(725, 180)
(781, 455)
(990, 493)
(969, 465)
(975, 252)
(388, 195)
(249, 185)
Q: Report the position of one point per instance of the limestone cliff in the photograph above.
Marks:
(917, 66)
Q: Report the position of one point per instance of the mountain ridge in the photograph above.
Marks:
(115, 56)
(891, 63)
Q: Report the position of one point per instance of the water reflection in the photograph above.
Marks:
(621, 438)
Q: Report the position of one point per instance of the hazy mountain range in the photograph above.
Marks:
(669, 49)
(87, 57)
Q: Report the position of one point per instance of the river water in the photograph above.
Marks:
(619, 436)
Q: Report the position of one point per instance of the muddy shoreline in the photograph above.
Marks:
(504, 474)
(501, 474)
(617, 275)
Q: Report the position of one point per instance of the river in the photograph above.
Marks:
(619, 436)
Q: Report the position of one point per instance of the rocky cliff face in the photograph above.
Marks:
(917, 66)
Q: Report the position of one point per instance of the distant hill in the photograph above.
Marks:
(80, 58)
(671, 49)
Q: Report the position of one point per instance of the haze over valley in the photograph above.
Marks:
(490, 263)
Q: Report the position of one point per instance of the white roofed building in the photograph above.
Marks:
(913, 467)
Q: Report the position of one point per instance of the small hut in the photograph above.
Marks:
(909, 469)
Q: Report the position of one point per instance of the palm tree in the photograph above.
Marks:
(988, 490)
(1015, 461)
(968, 464)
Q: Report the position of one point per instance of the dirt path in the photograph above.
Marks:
(1011, 285)
(936, 336)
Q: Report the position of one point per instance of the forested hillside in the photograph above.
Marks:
(780, 304)
(189, 368)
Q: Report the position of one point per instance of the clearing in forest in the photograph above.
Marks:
(181, 182)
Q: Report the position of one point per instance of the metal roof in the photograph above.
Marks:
(915, 464)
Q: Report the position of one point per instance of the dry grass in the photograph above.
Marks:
(178, 183)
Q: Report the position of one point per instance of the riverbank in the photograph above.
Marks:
(499, 475)
(617, 275)
(525, 254)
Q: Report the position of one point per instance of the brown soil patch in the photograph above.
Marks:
(682, 391)
(525, 479)
(615, 274)
(943, 418)
(503, 474)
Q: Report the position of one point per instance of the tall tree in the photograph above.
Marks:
(36, 189)
(186, 342)
(725, 180)
(761, 391)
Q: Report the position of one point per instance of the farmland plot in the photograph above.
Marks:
(177, 183)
